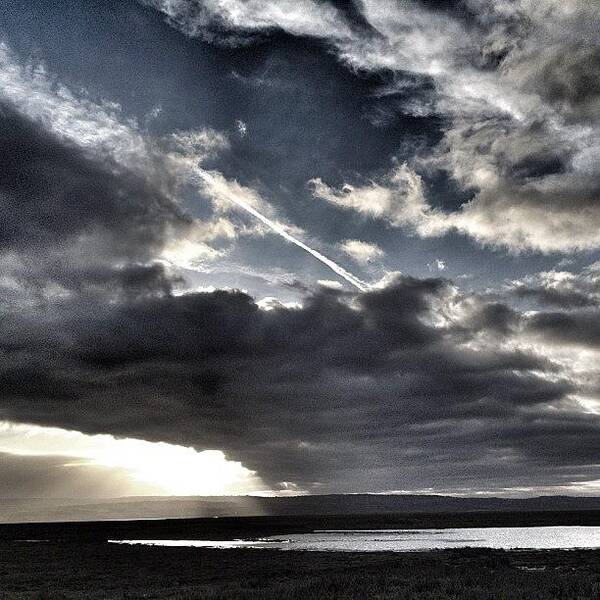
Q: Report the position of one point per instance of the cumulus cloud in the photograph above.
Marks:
(398, 199)
(362, 252)
(562, 289)
(328, 283)
(96, 128)
(69, 196)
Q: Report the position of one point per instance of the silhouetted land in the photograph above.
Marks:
(252, 527)
(76, 571)
(20, 510)
(77, 563)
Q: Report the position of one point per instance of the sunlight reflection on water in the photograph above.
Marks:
(402, 540)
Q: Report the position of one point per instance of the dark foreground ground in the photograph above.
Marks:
(99, 570)
(76, 562)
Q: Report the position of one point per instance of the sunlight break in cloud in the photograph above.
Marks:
(172, 469)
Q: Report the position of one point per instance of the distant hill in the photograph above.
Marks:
(32, 509)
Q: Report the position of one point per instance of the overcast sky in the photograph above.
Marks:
(306, 245)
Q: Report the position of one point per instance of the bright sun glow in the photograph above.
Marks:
(172, 469)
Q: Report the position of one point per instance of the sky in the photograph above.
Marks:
(299, 246)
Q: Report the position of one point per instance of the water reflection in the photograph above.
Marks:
(403, 540)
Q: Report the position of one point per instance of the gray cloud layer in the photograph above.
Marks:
(401, 387)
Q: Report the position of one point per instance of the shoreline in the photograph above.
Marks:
(76, 562)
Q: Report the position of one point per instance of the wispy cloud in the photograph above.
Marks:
(218, 187)
(102, 131)
(512, 86)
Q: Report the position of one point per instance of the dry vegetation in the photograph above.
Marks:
(96, 570)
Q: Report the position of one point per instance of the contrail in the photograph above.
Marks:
(357, 283)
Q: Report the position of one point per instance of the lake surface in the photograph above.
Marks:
(407, 540)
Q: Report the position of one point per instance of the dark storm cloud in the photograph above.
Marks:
(76, 222)
(581, 328)
(494, 316)
(554, 297)
(53, 195)
(356, 392)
